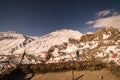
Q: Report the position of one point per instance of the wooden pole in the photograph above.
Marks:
(72, 74)
(72, 63)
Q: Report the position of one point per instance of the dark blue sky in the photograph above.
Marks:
(39, 17)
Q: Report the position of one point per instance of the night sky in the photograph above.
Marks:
(39, 17)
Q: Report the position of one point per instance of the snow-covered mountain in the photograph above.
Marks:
(59, 46)
(40, 46)
(11, 41)
(16, 48)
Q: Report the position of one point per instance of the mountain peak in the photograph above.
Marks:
(54, 38)
(108, 33)
(67, 33)
(10, 34)
(109, 28)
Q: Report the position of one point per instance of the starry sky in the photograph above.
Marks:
(39, 17)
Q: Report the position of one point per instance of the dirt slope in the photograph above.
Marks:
(84, 75)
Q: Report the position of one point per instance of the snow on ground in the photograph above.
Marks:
(69, 54)
(111, 53)
(112, 48)
(19, 51)
(7, 47)
(89, 33)
(105, 36)
(70, 48)
(89, 44)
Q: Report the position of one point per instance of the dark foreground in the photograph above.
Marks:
(86, 70)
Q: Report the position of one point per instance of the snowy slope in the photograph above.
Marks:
(41, 45)
(11, 41)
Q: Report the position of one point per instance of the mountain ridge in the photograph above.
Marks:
(61, 46)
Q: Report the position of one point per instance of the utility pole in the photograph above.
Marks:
(71, 64)
(72, 74)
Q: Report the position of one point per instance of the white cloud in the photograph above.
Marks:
(90, 22)
(110, 21)
(103, 13)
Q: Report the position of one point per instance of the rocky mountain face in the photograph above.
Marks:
(58, 47)
(103, 45)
